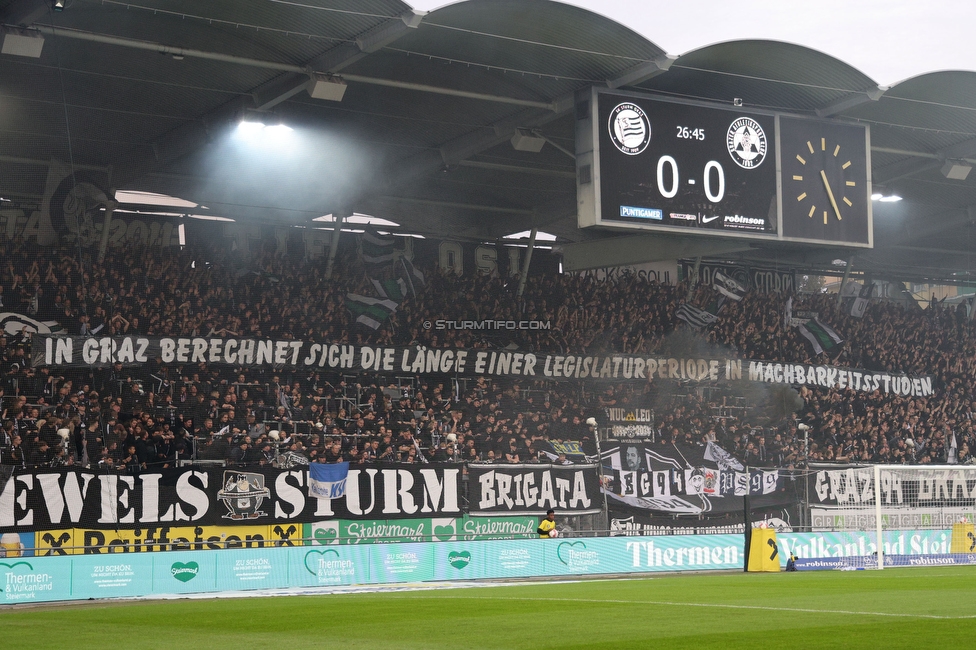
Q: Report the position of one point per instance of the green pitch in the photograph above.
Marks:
(895, 608)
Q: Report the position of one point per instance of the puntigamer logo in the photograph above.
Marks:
(641, 213)
(20, 582)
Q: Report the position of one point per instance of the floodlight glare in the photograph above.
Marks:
(249, 126)
(884, 195)
(278, 129)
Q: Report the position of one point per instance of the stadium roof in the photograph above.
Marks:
(153, 89)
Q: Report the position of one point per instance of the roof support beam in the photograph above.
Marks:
(617, 251)
(475, 142)
(517, 169)
(852, 100)
(642, 72)
(24, 13)
(905, 168)
(932, 227)
(337, 58)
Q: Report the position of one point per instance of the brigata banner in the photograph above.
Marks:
(533, 489)
(74, 498)
(61, 351)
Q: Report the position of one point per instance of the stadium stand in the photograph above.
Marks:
(130, 419)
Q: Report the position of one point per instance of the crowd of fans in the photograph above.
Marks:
(134, 418)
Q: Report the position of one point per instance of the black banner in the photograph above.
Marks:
(45, 499)
(670, 480)
(756, 278)
(783, 519)
(61, 351)
(852, 486)
(533, 489)
(912, 496)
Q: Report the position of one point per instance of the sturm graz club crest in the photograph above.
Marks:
(243, 493)
(747, 143)
(630, 131)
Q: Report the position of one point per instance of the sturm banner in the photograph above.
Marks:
(53, 499)
(61, 351)
(655, 488)
(533, 489)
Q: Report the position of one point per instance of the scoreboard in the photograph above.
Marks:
(646, 163)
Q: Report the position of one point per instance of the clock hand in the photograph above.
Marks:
(830, 194)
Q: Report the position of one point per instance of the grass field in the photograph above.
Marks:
(895, 608)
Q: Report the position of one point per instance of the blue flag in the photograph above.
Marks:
(327, 481)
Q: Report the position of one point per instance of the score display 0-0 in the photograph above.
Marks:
(676, 166)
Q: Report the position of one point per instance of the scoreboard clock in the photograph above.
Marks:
(646, 163)
(824, 180)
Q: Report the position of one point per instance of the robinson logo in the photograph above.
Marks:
(630, 131)
(746, 141)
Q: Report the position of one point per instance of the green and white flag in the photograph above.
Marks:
(371, 312)
(821, 337)
(376, 249)
(390, 289)
(410, 275)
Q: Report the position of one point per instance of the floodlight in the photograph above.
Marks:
(525, 140)
(21, 43)
(326, 87)
(955, 170)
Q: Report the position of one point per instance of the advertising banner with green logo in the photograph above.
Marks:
(114, 575)
(329, 567)
(440, 529)
(248, 570)
(185, 572)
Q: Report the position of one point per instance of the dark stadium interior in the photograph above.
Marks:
(145, 96)
(147, 92)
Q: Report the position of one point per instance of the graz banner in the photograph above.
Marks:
(672, 481)
(62, 351)
(62, 499)
(533, 489)
(843, 498)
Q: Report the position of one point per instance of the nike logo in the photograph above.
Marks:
(708, 219)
